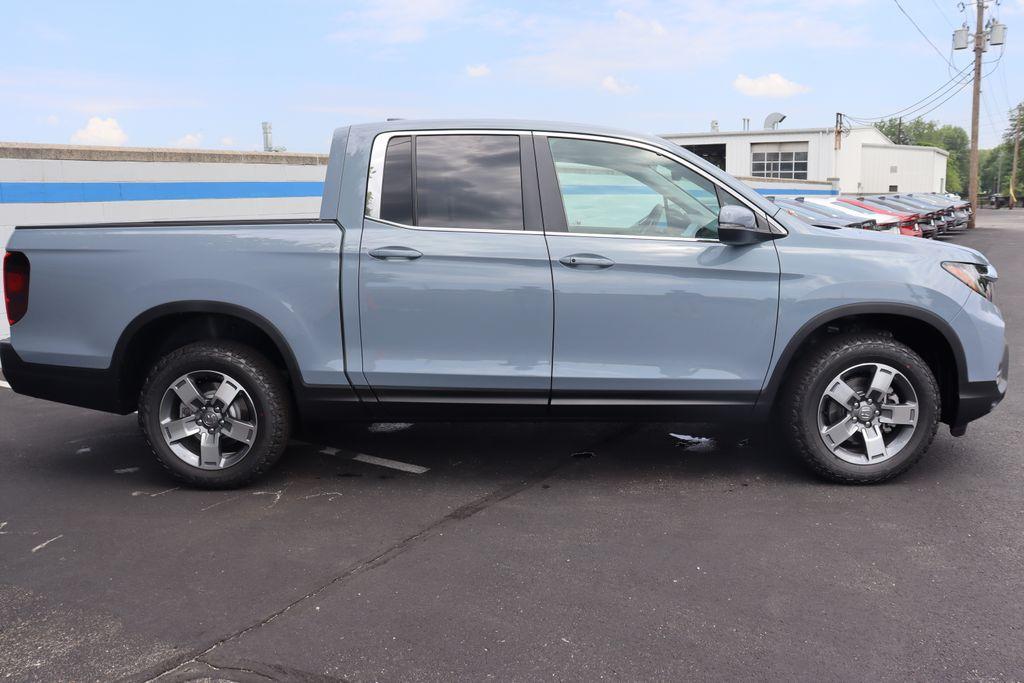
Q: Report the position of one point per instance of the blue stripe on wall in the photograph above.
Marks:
(48, 193)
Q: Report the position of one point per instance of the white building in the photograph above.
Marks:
(867, 161)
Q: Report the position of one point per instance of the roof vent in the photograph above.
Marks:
(772, 121)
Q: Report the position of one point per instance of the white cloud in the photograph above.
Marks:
(394, 21)
(478, 70)
(227, 141)
(641, 41)
(614, 85)
(99, 131)
(191, 140)
(769, 85)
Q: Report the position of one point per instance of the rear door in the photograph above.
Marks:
(650, 308)
(455, 288)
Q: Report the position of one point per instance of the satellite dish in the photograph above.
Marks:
(772, 121)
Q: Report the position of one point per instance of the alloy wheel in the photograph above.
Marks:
(208, 420)
(868, 413)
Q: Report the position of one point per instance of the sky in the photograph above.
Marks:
(205, 74)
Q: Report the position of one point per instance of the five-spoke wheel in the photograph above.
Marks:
(867, 413)
(860, 407)
(216, 414)
(207, 419)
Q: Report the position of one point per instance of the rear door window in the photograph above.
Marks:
(452, 181)
(468, 181)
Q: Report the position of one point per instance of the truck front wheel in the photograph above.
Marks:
(861, 408)
(215, 414)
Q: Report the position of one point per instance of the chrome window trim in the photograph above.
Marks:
(659, 238)
(374, 185)
(443, 229)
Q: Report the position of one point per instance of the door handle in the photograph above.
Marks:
(586, 261)
(398, 253)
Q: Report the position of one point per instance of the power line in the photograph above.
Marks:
(956, 83)
(924, 35)
(924, 101)
(966, 83)
(943, 13)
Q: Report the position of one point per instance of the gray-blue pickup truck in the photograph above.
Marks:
(507, 270)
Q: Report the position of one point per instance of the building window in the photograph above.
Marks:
(778, 164)
(893, 169)
(894, 188)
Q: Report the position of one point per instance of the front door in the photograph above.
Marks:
(650, 308)
(455, 292)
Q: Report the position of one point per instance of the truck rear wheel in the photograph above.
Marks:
(861, 408)
(215, 414)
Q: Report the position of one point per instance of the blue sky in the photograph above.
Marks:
(204, 74)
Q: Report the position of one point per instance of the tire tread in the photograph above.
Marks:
(267, 378)
(799, 388)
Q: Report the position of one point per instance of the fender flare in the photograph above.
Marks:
(782, 366)
(198, 306)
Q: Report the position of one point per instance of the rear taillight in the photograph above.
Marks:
(16, 276)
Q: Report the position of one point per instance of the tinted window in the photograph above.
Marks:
(469, 181)
(396, 184)
(615, 189)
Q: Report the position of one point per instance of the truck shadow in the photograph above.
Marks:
(683, 451)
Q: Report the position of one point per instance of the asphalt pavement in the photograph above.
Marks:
(516, 551)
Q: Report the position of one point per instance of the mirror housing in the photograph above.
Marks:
(738, 225)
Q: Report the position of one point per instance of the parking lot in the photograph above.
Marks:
(516, 551)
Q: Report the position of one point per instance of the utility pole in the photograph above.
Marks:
(1016, 155)
(899, 132)
(839, 131)
(979, 52)
(984, 35)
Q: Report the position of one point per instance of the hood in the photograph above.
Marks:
(940, 251)
(927, 248)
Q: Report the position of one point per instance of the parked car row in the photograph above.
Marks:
(925, 214)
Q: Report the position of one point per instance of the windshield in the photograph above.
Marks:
(857, 209)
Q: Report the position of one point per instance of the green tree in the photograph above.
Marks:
(995, 164)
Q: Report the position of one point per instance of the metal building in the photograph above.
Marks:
(867, 161)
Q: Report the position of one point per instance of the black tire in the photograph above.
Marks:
(264, 384)
(799, 404)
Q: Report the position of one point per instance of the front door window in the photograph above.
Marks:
(612, 189)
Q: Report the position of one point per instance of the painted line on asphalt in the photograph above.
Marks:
(4, 384)
(46, 543)
(393, 464)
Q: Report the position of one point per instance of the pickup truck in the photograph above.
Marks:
(507, 270)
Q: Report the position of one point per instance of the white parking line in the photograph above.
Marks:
(46, 543)
(393, 464)
(4, 384)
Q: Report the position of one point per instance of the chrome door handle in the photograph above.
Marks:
(398, 253)
(586, 260)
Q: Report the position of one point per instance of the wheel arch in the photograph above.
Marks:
(926, 333)
(163, 328)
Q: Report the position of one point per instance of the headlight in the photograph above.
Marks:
(974, 275)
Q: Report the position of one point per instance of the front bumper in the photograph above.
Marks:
(977, 399)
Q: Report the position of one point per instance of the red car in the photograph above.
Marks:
(908, 221)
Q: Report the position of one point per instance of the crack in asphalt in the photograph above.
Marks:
(457, 515)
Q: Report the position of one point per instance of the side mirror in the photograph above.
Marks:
(738, 225)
